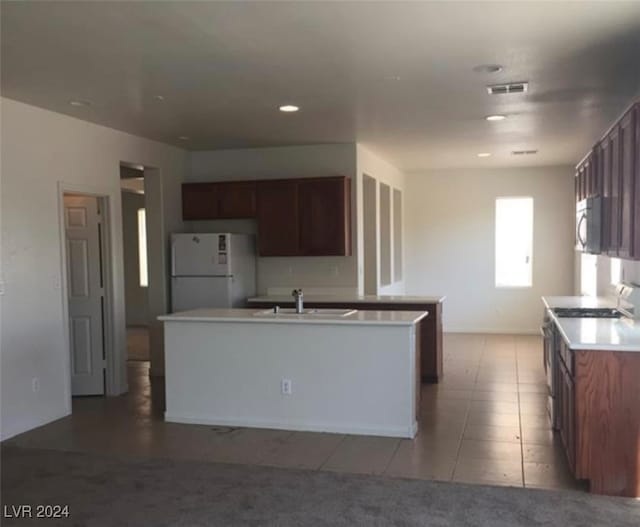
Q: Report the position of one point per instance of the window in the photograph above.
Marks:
(616, 269)
(514, 242)
(142, 248)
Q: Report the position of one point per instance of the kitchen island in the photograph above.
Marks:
(429, 328)
(595, 368)
(333, 370)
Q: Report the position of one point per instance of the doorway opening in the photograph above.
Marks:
(86, 251)
(136, 273)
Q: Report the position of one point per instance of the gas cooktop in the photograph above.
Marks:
(587, 312)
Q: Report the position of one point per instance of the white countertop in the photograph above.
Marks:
(388, 318)
(599, 334)
(355, 299)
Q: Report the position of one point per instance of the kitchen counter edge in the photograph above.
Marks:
(370, 318)
(357, 299)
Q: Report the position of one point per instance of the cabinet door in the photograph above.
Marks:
(627, 184)
(567, 413)
(277, 213)
(237, 199)
(604, 161)
(325, 214)
(199, 201)
(579, 184)
(636, 171)
(611, 175)
(592, 175)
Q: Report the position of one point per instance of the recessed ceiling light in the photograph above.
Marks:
(495, 117)
(79, 103)
(184, 138)
(488, 68)
(288, 108)
(158, 97)
(484, 154)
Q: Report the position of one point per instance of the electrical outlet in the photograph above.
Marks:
(285, 387)
(35, 384)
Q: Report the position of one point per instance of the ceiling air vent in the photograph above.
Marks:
(511, 87)
(523, 152)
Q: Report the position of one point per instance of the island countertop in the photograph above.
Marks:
(377, 318)
(350, 299)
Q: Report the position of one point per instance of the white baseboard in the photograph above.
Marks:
(405, 432)
(494, 331)
(9, 431)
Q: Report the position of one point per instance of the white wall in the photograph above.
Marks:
(450, 244)
(629, 272)
(370, 164)
(322, 274)
(39, 150)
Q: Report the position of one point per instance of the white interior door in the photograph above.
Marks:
(85, 293)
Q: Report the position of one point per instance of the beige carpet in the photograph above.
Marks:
(109, 491)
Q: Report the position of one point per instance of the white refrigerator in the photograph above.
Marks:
(212, 270)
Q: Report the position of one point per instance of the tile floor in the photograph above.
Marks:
(137, 343)
(485, 423)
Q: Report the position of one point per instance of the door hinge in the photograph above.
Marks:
(104, 364)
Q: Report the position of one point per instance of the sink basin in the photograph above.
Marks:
(311, 313)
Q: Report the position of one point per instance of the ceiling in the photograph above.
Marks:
(397, 77)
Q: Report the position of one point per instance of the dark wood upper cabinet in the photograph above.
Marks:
(627, 184)
(295, 217)
(613, 167)
(278, 220)
(612, 171)
(324, 209)
(636, 169)
(199, 201)
(587, 178)
(605, 170)
(237, 199)
(220, 200)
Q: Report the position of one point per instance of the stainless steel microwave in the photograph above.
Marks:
(589, 225)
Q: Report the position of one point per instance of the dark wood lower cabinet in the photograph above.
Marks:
(599, 404)
(429, 329)
(566, 402)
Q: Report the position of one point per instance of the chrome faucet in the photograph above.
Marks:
(297, 295)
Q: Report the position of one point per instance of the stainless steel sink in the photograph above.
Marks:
(311, 313)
